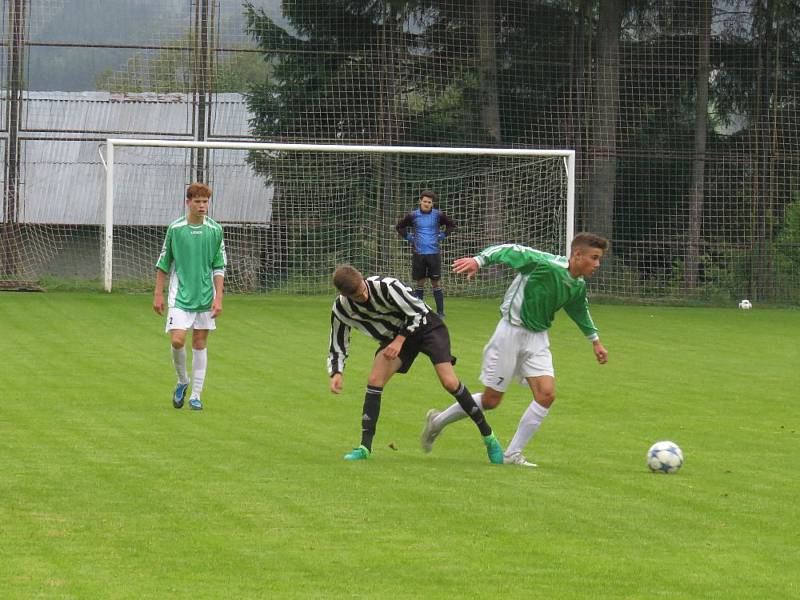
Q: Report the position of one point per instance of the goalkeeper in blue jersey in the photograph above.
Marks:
(193, 257)
(519, 348)
(423, 227)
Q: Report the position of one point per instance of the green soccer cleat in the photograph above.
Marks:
(361, 453)
(493, 449)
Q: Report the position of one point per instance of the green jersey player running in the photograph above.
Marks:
(193, 256)
(519, 348)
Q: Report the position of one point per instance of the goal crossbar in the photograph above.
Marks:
(567, 155)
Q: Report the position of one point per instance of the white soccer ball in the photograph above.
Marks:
(745, 304)
(664, 457)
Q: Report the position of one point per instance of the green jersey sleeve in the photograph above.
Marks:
(220, 260)
(165, 259)
(578, 311)
(519, 257)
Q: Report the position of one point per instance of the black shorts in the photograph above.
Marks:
(426, 265)
(432, 340)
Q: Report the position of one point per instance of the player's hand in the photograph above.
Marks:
(336, 383)
(216, 307)
(391, 351)
(158, 304)
(600, 352)
(466, 265)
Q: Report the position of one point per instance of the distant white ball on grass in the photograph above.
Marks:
(745, 304)
(664, 457)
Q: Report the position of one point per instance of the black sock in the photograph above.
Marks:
(438, 295)
(472, 409)
(369, 418)
(420, 293)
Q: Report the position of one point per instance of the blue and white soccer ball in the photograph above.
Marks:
(745, 304)
(664, 457)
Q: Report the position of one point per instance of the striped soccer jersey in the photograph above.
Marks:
(391, 310)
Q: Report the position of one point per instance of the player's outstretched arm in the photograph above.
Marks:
(467, 265)
(600, 352)
(336, 383)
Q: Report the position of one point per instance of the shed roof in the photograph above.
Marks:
(62, 181)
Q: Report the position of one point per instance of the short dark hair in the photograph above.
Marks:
(589, 240)
(347, 279)
(427, 194)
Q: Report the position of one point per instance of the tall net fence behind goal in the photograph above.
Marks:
(291, 216)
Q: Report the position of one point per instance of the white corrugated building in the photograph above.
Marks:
(62, 181)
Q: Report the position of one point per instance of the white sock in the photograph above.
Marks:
(179, 361)
(528, 425)
(199, 364)
(454, 412)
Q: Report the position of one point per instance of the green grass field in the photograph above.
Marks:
(106, 491)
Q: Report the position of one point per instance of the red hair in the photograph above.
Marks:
(198, 189)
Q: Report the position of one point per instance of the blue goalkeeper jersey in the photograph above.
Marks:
(426, 229)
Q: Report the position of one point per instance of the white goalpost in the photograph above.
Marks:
(291, 212)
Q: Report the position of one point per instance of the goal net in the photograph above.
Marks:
(293, 212)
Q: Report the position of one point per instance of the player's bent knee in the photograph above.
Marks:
(490, 404)
(545, 399)
(377, 380)
(491, 399)
(451, 385)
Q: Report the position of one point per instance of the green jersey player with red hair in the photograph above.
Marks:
(193, 259)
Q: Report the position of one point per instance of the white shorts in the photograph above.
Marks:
(177, 318)
(515, 353)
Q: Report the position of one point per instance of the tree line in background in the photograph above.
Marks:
(683, 113)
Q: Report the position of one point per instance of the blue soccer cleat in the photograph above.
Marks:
(195, 404)
(361, 453)
(493, 449)
(179, 394)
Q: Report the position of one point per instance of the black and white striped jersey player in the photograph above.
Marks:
(404, 326)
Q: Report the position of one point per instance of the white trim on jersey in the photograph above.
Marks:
(511, 307)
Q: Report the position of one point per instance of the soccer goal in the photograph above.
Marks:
(293, 212)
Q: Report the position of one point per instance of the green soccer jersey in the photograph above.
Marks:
(192, 255)
(542, 286)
